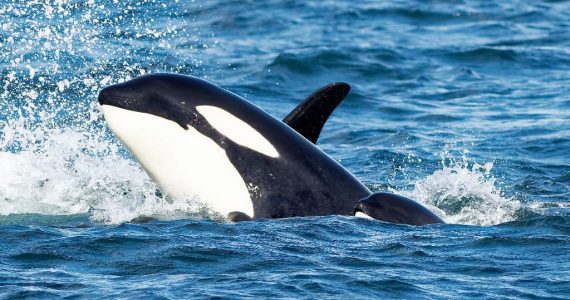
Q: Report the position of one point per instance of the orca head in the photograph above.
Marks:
(175, 126)
(169, 96)
(392, 208)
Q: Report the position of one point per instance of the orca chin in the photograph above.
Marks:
(202, 143)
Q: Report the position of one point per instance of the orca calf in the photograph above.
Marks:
(199, 141)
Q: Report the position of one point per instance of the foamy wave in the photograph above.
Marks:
(70, 172)
(464, 193)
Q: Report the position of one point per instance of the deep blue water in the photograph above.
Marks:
(462, 106)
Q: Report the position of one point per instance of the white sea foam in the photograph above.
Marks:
(464, 192)
(70, 172)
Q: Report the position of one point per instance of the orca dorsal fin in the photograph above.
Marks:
(309, 117)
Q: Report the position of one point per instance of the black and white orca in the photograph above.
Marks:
(199, 141)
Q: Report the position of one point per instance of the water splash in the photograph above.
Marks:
(56, 157)
(464, 193)
(72, 172)
(56, 54)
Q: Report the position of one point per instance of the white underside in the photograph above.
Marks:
(360, 214)
(184, 163)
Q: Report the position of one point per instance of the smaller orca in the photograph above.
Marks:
(199, 141)
(394, 209)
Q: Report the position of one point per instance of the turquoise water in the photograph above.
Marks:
(462, 106)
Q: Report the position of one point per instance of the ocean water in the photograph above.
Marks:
(461, 105)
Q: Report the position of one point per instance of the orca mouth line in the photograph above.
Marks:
(184, 118)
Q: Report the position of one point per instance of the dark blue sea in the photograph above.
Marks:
(463, 106)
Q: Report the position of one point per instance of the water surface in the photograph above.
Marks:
(461, 106)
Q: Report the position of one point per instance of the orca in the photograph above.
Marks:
(201, 142)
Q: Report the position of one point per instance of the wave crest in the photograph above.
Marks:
(465, 193)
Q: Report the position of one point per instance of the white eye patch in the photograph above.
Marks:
(237, 130)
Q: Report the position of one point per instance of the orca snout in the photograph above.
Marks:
(105, 96)
(122, 96)
(119, 96)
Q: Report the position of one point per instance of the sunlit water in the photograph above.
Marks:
(461, 106)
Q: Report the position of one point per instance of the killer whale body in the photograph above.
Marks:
(196, 139)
